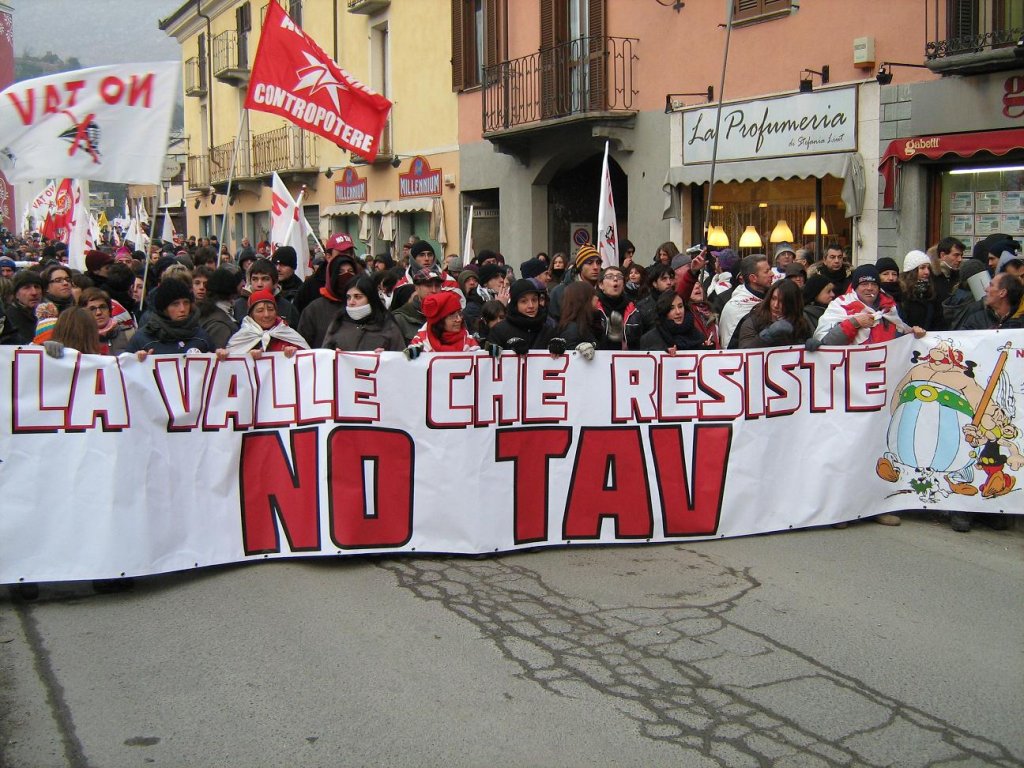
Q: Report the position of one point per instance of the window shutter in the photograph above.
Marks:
(597, 56)
(295, 11)
(547, 57)
(491, 26)
(458, 69)
(751, 9)
(771, 6)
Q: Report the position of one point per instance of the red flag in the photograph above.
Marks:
(294, 78)
(58, 221)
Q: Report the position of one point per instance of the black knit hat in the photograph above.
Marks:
(532, 268)
(286, 256)
(488, 272)
(815, 284)
(223, 283)
(519, 289)
(169, 291)
(865, 273)
(885, 263)
(419, 247)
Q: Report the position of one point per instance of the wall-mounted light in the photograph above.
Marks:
(328, 173)
(806, 84)
(988, 169)
(396, 161)
(672, 100)
(213, 198)
(884, 76)
(675, 5)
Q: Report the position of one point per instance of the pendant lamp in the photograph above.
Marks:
(809, 225)
(717, 237)
(782, 233)
(750, 238)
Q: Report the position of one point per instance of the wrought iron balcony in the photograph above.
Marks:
(286, 149)
(198, 172)
(195, 76)
(220, 162)
(979, 36)
(367, 6)
(586, 76)
(230, 58)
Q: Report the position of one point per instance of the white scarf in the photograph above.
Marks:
(250, 335)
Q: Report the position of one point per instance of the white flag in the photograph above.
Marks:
(167, 233)
(287, 224)
(467, 247)
(607, 227)
(79, 238)
(106, 123)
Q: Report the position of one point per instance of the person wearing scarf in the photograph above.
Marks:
(363, 324)
(263, 330)
(444, 330)
(526, 325)
(675, 329)
(316, 318)
(172, 328)
(58, 287)
(622, 327)
(115, 324)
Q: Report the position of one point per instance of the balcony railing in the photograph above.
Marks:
(195, 76)
(385, 151)
(220, 162)
(230, 57)
(283, 149)
(977, 35)
(198, 172)
(367, 6)
(586, 75)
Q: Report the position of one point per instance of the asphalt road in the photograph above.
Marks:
(866, 646)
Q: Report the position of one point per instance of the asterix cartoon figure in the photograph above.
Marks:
(930, 409)
(993, 430)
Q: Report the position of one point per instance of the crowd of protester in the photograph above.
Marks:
(196, 297)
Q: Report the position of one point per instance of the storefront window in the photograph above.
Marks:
(976, 202)
(762, 205)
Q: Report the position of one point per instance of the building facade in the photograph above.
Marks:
(508, 107)
(398, 49)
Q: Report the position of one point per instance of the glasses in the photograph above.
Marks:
(60, 280)
(613, 278)
(99, 309)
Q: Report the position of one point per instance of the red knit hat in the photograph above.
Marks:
(437, 306)
(257, 296)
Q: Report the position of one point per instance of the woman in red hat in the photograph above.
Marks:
(262, 330)
(444, 330)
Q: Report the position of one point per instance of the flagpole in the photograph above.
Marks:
(231, 176)
(718, 121)
(467, 245)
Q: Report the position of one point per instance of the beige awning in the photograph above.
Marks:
(342, 209)
(376, 206)
(412, 205)
(842, 165)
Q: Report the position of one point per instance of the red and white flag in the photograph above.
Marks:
(607, 227)
(106, 123)
(80, 237)
(288, 225)
(293, 77)
(57, 225)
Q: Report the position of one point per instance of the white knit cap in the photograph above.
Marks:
(915, 259)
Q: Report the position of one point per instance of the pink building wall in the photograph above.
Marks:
(682, 52)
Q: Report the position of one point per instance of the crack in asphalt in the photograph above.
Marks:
(668, 668)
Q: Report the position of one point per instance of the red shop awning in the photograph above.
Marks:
(934, 147)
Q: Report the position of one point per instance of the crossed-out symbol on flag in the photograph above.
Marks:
(84, 134)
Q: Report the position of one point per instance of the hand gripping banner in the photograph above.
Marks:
(111, 466)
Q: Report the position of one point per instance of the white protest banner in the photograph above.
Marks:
(105, 123)
(111, 466)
